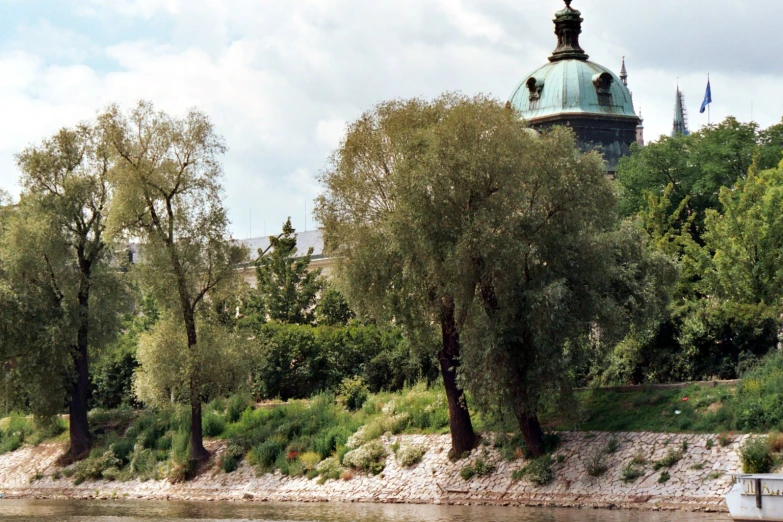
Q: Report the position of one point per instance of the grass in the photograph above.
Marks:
(706, 410)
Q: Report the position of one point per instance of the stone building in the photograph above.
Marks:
(571, 90)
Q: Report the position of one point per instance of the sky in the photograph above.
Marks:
(281, 78)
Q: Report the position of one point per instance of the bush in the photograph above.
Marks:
(213, 425)
(237, 404)
(93, 467)
(632, 471)
(352, 393)
(664, 477)
(596, 464)
(409, 455)
(231, 458)
(309, 460)
(300, 361)
(479, 468)
(328, 469)
(367, 457)
(612, 445)
(265, 454)
(538, 471)
(672, 457)
(756, 456)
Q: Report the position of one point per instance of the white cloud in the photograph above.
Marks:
(282, 78)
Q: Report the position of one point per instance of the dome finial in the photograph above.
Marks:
(568, 26)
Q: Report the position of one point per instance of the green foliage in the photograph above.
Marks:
(368, 457)
(537, 471)
(213, 424)
(756, 456)
(632, 471)
(664, 477)
(478, 468)
(595, 465)
(671, 458)
(237, 404)
(286, 290)
(352, 393)
(94, 467)
(332, 308)
(230, 459)
(409, 455)
(298, 361)
(612, 445)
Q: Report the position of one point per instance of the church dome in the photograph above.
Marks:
(571, 85)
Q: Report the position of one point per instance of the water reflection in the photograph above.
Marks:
(144, 511)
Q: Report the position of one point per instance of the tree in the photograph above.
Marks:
(57, 259)
(454, 213)
(695, 166)
(332, 308)
(286, 290)
(167, 176)
(396, 252)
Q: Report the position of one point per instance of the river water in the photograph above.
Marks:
(146, 511)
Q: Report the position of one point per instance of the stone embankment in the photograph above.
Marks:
(697, 482)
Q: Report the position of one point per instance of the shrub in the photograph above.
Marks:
(756, 457)
(231, 458)
(93, 467)
(664, 477)
(309, 460)
(632, 471)
(596, 464)
(181, 466)
(265, 454)
(352, 393)
(367, 457)
(410, 455)
(213, 424)
(538, 471)
(467, 472)
(710, 443)
(612, 445)
(672, 457)
(775, 442)
(329, 469)
(237, 404)
(122, 449)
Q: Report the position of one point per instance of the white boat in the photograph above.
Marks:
(756, 497)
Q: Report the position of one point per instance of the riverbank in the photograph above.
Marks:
(698, 467)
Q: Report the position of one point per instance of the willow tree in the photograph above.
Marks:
(399, 238)
(453, 213)
(169, 196)
(57, 264)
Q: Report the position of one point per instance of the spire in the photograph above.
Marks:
(680, 125)
(568, 27)
(624, 73)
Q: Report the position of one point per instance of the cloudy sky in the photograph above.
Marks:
(280, 78)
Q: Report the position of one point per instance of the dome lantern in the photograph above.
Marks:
(568, 27)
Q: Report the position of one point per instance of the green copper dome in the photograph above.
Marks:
(572, 86)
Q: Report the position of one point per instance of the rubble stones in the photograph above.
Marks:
(435, 479)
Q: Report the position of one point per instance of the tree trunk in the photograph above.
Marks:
(79, 429)
(531, 431)
(197, 450)
(462, 436)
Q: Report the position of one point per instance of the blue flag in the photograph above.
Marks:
(707, 98)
